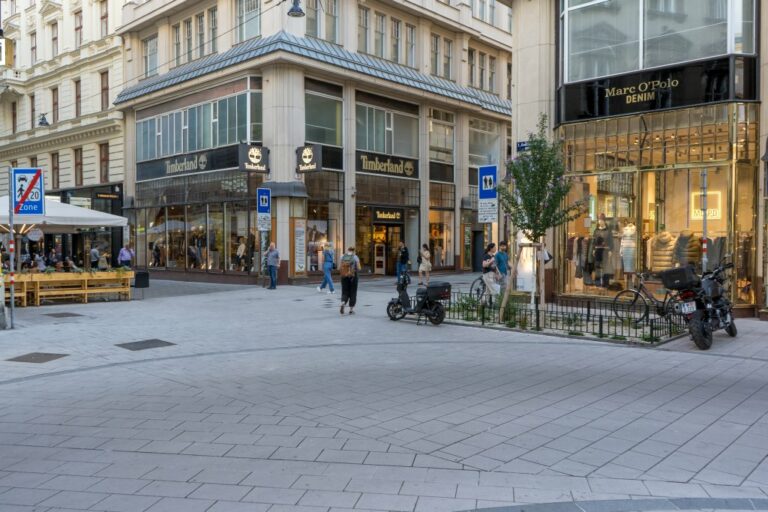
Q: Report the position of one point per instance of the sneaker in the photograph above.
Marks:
(331, 292)
(351, 311)
(319, 289)
(341, 309)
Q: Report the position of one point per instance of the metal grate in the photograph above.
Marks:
(37, 357)
(144, 344)
(62, 315)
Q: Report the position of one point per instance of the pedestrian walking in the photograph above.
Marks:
(349, 266)
(328, 259)
(403, 259)
(425, 264)
(125, 256)
(502, 263)
(95, 255)
(490, 271)
(273, 263)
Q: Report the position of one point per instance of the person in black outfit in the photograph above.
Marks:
(403, 259)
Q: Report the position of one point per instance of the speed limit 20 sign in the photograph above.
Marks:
(28, 191)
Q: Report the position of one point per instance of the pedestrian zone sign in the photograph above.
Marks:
(28, 191)
(487, 204)
(264, 209)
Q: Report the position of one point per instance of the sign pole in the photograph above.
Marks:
(12, 244)
(704, 211)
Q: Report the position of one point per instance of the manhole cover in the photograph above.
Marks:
(37, 357)
(61, 315)
(144, 345)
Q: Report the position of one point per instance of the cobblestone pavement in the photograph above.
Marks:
(270, 400)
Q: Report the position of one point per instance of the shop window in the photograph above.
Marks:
(157, 238)
(323, 120)
(140, 237)
(383, 191)
(238, 242)
(441, 238)
(215, 241)
(324, 225)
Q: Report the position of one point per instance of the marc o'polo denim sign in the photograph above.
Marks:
(691, 84)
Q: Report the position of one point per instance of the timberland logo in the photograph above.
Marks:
(254, 158)
(644, 91)
(186, 164)
(391, 166)
(309, 158)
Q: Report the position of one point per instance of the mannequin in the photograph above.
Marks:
(628, 249)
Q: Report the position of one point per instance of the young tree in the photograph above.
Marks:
(536, 198)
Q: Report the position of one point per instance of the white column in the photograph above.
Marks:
(283, 114)
(350, 165)
(423, 175)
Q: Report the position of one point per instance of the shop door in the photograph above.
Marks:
(478, 242)
(394, 236)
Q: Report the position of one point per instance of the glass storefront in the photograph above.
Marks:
(642, 177)
(441, 224)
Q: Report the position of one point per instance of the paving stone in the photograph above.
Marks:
(123, 503)
(118, 485)
(21, 496)
(275, 495)
(390, 459)
(485, 492)
(234, 506)
(347, 456)
(69, 483)
(376, 486)
(74, 499)
(169, 489)
(329, 499)
(220, 476)
(438, 490)
(387, 502)
(220, 492)
(431, 504)
(177, 504)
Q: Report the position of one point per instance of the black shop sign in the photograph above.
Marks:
(664, 88)
(200, 161)
(388, 215)
(253, 158)
(387, 165)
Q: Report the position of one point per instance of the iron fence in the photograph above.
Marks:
(574, 317)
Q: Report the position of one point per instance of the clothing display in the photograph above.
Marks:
(715, 251)
(628, 247)
(687, 249)
(662, 249)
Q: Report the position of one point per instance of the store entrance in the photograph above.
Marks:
(386, 241)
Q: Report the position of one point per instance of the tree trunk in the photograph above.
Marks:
(540, 276)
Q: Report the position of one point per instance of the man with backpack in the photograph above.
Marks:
(350, 265)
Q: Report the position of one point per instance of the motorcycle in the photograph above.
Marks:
(702, 302)
(427, 302)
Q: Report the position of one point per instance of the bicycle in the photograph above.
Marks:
(629, 301)
(477, 288)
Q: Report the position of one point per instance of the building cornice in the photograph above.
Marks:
(48, 140)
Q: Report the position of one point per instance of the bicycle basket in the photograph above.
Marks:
(681, 278)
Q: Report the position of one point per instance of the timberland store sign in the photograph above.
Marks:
(387, 165)
(388, 215)
(201, 161)
(254, 158)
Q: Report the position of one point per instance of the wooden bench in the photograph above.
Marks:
(116, 283)
(21, 288)
(58, 285)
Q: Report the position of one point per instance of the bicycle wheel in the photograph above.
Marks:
(630, 305)
(477, 289)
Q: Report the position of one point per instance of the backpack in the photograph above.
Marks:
(347, 266)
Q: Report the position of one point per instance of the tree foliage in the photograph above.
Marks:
(537, 199)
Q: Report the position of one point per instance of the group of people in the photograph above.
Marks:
(423, 260)
(349, 268)
(496, 266)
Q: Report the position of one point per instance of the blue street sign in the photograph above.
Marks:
(263, 200)
(28, 191)
(522, 146)
(486, 186)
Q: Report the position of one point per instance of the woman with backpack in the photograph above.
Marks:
(350, 265)
(327, 267)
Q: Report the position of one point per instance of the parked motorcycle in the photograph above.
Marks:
(702, 302)
(427, 302)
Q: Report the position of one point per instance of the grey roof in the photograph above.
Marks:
(324, 52)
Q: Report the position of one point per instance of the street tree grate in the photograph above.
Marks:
(61, 315)
(37, 357)
(145, 344)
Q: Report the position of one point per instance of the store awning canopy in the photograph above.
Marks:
(60, 218)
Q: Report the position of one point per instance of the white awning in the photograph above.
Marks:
(60, 218)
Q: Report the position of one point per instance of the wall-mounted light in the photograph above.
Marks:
(43, 121)
(295, 11)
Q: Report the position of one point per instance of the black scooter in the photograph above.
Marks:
(427, 301)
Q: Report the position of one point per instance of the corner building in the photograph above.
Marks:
(402, 101)
(652, 96)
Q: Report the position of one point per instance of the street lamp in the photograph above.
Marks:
(295, 11)
(43, 121)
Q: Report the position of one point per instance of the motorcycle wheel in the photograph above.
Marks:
(395, 311)
(700, 330)
(731, 329)
(439, 315)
